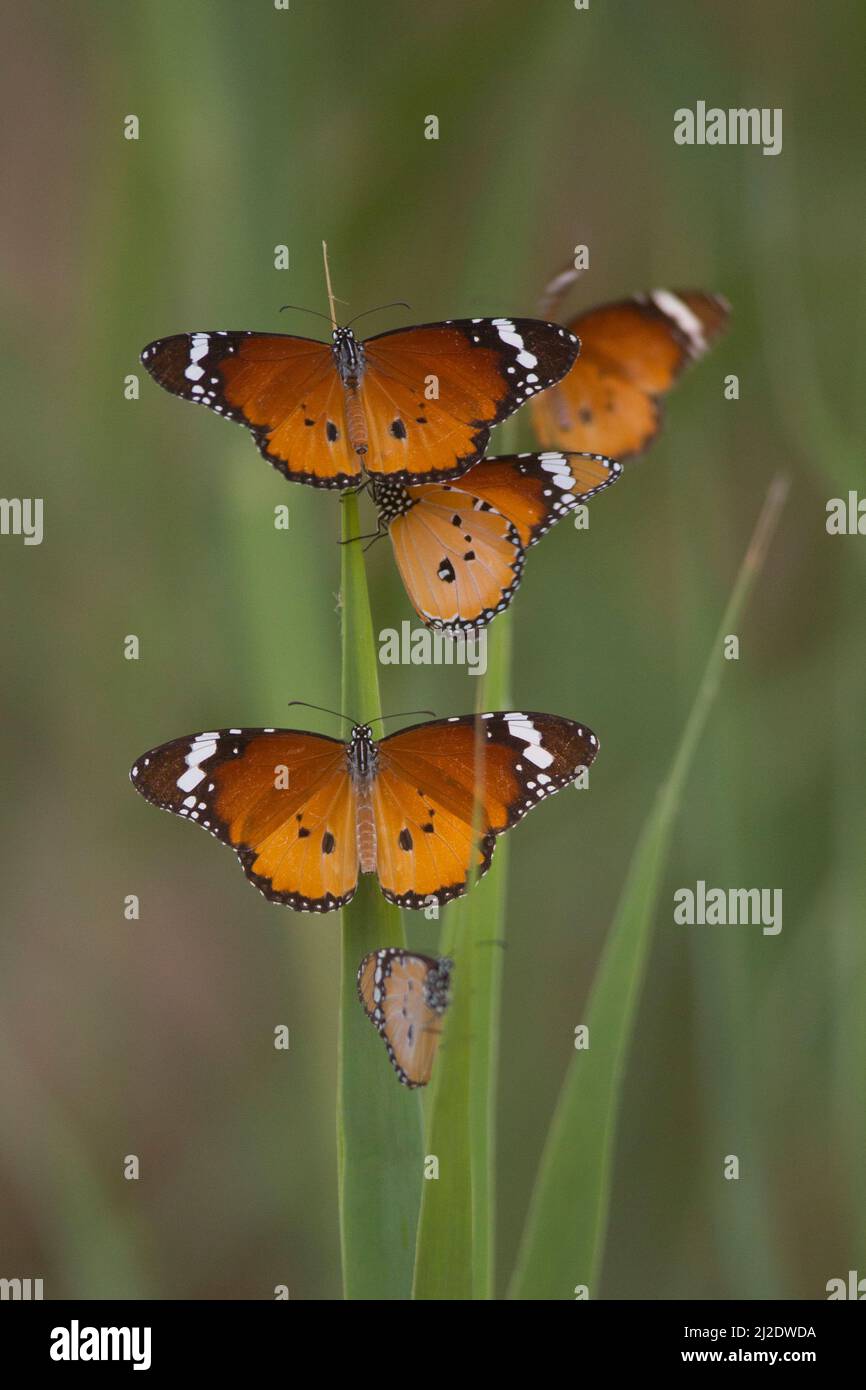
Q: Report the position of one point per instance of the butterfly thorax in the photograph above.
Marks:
(362, 753)
(391, 498)
(349, 357)
(363, 758)
(437, 985)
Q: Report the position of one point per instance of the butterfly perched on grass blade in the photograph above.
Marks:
(632, 353)
(460, 546)
(306, 814)
(413, 404)
(405, 996)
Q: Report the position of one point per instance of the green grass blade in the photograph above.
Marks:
(378, 1121)
(563, 1242)
(455, 1257)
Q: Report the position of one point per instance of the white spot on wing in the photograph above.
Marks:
(509, 335)
(197, 350)
(524, 729)
(687, 321)
(201, 748)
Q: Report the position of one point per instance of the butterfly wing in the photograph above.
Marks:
(459, 546)
(405, 995)
(281, 798)
(445, 789)
(632, 352)
(480, 370)
(284, 390)
(533, 491)
(459, 561)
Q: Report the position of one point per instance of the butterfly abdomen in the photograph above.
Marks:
(363, 762)
(356, 421)
(365, 829)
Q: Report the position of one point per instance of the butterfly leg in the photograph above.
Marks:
(371, 536)
(355, 491)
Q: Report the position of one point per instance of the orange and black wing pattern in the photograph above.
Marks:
(534, 491)
(445, 789)
(460, 546)
(632, 353)
(405, 996)
(281, 798)
(460, 563)
(284, 390)
(432, 393)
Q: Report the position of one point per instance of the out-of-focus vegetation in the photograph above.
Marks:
(155, 1037)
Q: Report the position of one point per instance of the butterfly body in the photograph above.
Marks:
(363, 763)
(412, 404)
(306, 814)
(460, 545)
(405, 996)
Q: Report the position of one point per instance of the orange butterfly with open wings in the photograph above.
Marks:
(632, 353)
(306, 814)
(413, 404)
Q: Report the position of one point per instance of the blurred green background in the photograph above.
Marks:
(261, 127)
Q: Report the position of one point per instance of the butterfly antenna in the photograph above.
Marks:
(302, 309)
(395, 304)
(323, 709)
(402, 714)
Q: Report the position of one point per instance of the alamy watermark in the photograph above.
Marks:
(21, 1290)
(703, 906)
(715, 125)
(22, 516)
(421, 646)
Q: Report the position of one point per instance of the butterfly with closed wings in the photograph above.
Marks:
(413, 404)
(405, 996)
(421, 808)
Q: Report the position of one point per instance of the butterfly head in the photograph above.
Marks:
(348, 355)
(362, 752)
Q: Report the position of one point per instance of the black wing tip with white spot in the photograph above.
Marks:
(535, 462)
(203, 814)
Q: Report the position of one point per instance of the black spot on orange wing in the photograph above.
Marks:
(482, 771)
(226, 781)
(283, 389)
(534, 491)
(460, 567)
(470, 375)
(632, 353)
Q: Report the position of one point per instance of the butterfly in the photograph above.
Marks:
(405, 995)
(306, 813)
(460, 546)
(413, 404)
(632, 353)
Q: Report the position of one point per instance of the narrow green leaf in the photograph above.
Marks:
(563, 1242)
(455, 1258)
(379, 1133)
